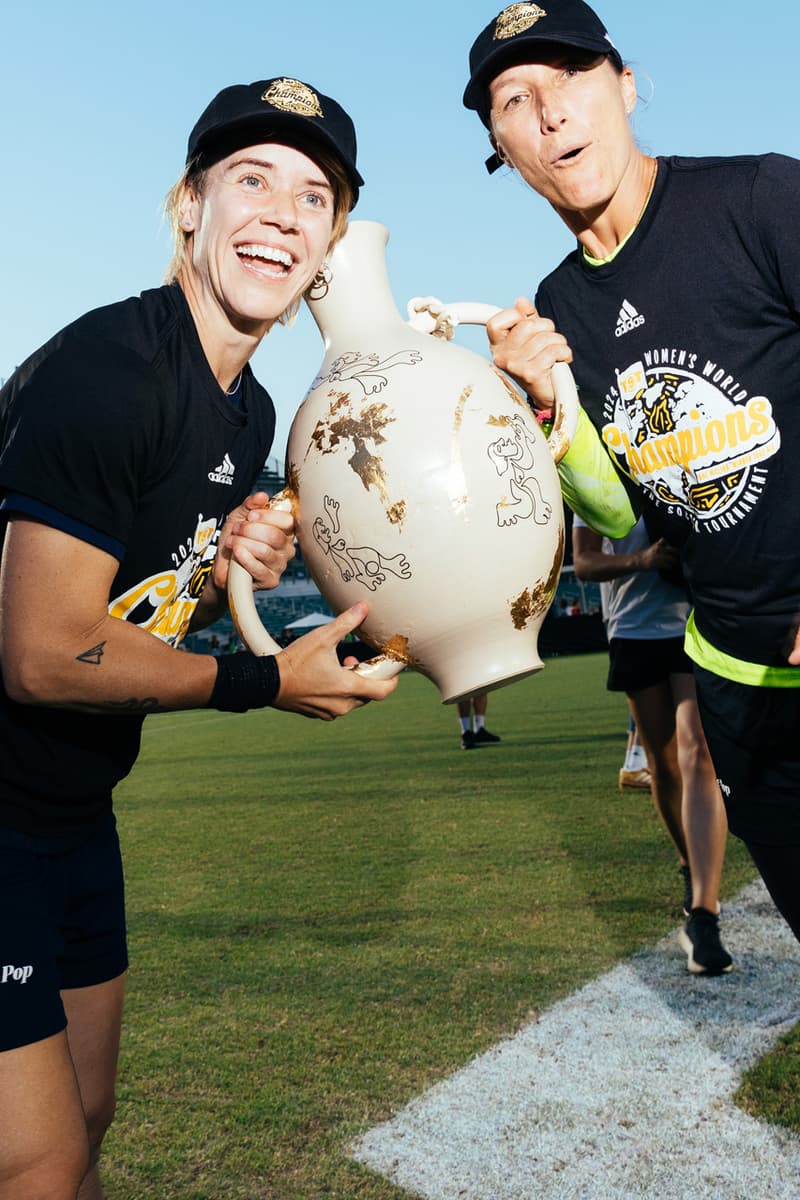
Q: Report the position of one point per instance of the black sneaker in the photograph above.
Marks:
(468, 740)
(705, 953)
(483, 737)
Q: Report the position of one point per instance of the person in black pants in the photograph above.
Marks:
(472, 721)
(678, 309)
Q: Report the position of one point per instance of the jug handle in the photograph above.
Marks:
(429, 315)
(242, 604)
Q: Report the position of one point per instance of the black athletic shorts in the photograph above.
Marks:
(753, 734)
(62, 925)
(636, 663)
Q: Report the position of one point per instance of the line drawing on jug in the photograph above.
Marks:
(368, 370)
(363, 564)
(513, 456)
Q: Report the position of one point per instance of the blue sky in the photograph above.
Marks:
(97, 100)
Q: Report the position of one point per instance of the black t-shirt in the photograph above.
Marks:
(687, 356)
(117, 432)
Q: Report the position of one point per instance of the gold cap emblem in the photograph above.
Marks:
(516, 19)
(290, 95)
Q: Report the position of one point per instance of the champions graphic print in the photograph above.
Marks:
(164, 603)
(684, 428)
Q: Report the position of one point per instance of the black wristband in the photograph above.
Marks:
(245, 681)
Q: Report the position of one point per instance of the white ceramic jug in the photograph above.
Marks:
(421, 482)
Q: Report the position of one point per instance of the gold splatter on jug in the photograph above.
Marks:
(422, 483)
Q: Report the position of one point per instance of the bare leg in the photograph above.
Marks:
(704, 819)
(93, 1033)
(44, 1148)
(654, 713)
(57, 1101)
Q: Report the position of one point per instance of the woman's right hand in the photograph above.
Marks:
(526, 346)
(314, 684)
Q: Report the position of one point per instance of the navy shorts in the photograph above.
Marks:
(637, 663)
(753, 734)
(62, 925)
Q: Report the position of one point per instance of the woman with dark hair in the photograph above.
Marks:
(678, 309)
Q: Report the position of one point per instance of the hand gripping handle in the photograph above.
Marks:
(429, 315)
(242, 604)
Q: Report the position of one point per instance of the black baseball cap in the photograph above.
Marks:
(274, 108)
(517, 29)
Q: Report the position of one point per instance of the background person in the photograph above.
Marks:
(646, 619)
(634, 774)
(679, 311)
(472, 720)
(128, 446)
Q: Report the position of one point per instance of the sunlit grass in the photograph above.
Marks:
(325, 919)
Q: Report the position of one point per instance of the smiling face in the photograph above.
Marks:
(562, 123)
(260, 225)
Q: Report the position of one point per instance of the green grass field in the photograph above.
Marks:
(325, 919)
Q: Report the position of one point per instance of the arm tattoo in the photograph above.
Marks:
(125, 708)
(146, 705)
(92, 656)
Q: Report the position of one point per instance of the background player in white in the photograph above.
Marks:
(646, 615)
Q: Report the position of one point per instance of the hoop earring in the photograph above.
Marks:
(320, 284)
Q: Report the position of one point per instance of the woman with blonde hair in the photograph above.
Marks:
(129, 445)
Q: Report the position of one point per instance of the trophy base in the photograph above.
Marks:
(481, 668)
(471, 690)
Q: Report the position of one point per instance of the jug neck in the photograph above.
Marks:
(358, 295)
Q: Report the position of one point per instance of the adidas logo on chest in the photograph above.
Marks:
(628, 319)
(223, 473)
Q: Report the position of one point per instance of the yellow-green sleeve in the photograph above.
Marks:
(591, 486)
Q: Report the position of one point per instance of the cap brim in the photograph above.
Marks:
(289, 128)
(517, 52)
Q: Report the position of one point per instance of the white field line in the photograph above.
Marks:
(622, 1091)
